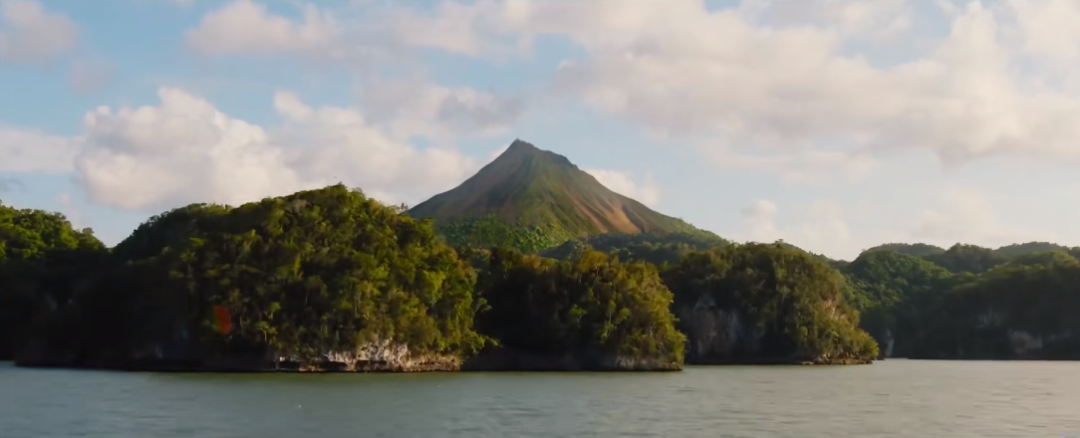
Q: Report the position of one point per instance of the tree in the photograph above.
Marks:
(592, 308)
(789, 305)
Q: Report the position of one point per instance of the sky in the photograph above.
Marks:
(834, 125)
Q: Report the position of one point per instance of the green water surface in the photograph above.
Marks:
(895, 398)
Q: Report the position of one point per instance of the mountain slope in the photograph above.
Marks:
(533, 199)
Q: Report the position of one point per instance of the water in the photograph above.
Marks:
(895, 398)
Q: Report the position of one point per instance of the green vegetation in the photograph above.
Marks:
(1023, 309)
(787, 305)
(911, 249)
(531, 257)
(593, 308)
(530, 200)
(43, 264)
(489, 231)
(1020, 249)
(969, 302)
(652, 247)
(967, 258)
(318, 271)
(891, 290)
(308, 276)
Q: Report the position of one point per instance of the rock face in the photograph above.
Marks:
(717, 336)
(373, 357)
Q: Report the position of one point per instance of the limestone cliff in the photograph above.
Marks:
(372, 357)
(719, 336)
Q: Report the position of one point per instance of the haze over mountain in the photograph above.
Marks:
(534, 199)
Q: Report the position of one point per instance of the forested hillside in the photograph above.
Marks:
(971, 302)
(329, 279)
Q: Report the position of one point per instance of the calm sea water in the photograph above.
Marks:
(895, 398)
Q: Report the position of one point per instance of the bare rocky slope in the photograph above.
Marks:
(531, 199)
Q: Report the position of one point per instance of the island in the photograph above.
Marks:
(531, 264)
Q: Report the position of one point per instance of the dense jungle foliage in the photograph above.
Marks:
(330, 269)
(44, 264)
(971, 302)
(489, 231)
(791, 301)
(317, 271)
(589, 305)
(654, 247)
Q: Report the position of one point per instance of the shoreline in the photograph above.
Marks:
(160, 367)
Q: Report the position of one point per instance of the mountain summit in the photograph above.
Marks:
(534, 199)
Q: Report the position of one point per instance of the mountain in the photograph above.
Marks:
(1020, 249)
(532, 199)
(911, 249)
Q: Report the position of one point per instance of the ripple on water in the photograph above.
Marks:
(895, 398)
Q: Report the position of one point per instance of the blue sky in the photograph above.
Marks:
(835, 125)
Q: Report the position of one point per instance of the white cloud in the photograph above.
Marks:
(32, 35)
(1050, 27)
(880, 20)
(339, 143)
(645, 191)
(416, 108)
(821, 229)
(787, 83)
(967, 216)
(35, 151)
(183, 151)
(245, 26)
(403, 107)
(71, 212)
(825, 231)
(805, 167)
(759, 218)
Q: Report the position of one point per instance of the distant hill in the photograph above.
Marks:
(972, 258)
(655, 248)
(531, 199)
(1020, 249)
(911, 249)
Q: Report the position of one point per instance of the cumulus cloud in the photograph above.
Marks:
(824, 230)
(339, 143)
(246, 27)
(876, 21)
(33, 35)
(185, 150)
(644, 191)
(404, 107)
(35, 151)
(1050, 28)
(821, 228)
(805, 167)
(759, 219)
(182, 151)
(418, 108)
(967, 216)
(765, 76)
